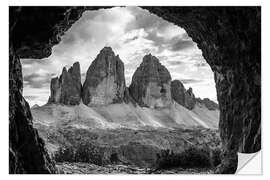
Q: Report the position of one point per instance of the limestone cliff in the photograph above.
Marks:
(67, 88)
(105, 80)
(151, 84)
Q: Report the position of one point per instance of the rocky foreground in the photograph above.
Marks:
(86, 168)
(136, 147)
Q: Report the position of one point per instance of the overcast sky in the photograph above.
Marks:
(132, 33)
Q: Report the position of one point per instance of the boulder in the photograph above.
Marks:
(151, 84)
(105, 80)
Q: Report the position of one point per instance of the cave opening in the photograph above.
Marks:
(222, 61)
(150, 50)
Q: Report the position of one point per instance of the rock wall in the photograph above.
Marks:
(229, 37)
(105, 80)
(27, 153)
(67, 88)
(151, 84)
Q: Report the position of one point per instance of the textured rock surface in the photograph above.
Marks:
(105, 80)
(67, 88)
(151, 84)
(27, 153)
(190, 99)
(87, 168)
(211, 105)
(229, 37)
(178, 92)
(182, 96)
(187, 98)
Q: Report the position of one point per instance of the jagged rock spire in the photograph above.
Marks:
(66, 89)
(105, 80)
(151, 83)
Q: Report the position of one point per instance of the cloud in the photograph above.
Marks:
(36, 80)
(35, 61)
(31, 98)
(201, 64)
(182, 44)
(189, 81)
(175, 63)
(36, 95)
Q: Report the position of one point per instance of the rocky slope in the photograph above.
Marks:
(87, 168)
(137, 147)
(67, 88)
(105, 80)
(126, 116)
(151, 84)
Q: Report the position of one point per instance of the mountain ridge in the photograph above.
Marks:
(151, 86)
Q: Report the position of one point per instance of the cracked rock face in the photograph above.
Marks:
(27, 153)
(105, 80)
(151, 84)
(67, 88)
(182, 96)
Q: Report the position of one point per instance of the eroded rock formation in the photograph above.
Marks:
(105, 80)
(151, 84)
(229, 37)
(67, 88)
(187, 98)
(211, 105)
(182, 96)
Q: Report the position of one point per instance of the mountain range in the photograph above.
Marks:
(104, 100)
(136, 122)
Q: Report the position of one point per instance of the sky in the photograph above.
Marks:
(132, 33)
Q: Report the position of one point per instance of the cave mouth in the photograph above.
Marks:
(237, 82)
(133, 34)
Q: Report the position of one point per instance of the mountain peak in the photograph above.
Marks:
(67, 88)
(105, 80)
(106, 50)
(150, 84)
(149, 58)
